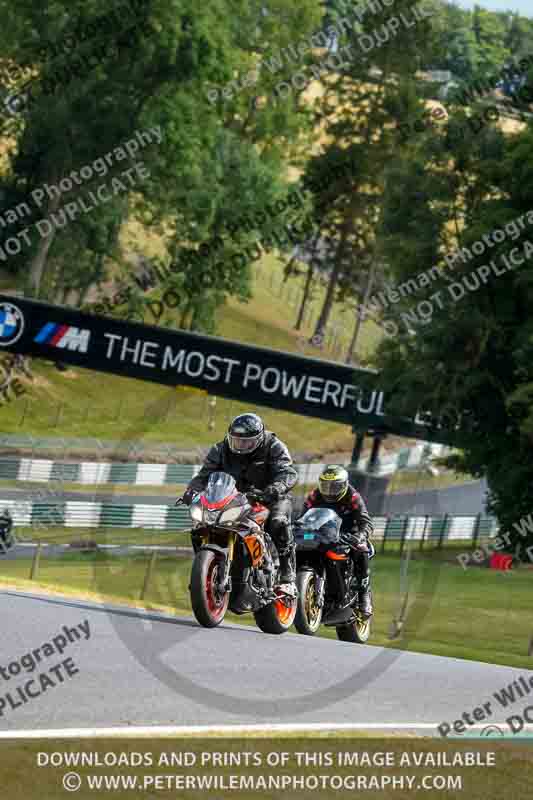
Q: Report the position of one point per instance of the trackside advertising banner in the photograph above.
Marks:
(303, 385)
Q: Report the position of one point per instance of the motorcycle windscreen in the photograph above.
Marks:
(318, 526)
(220, 487)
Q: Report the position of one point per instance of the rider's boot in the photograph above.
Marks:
(287, 572)
(362, 571)
(365, 598)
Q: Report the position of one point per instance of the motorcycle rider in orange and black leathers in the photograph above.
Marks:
(335, 492)
(257, 459)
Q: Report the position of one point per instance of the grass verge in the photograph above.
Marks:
(111, 536)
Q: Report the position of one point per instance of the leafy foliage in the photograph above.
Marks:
(472, 359)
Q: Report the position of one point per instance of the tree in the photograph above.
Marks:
(354, 116)
(489, 31)
(453, 46)
(157, 77)
(469, 363)
(519, 31)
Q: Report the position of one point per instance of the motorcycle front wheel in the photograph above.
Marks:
(308, 614)
(208, 604)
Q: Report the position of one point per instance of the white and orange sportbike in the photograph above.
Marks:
(236, 563)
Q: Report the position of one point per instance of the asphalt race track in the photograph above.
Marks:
(467, 498)
(139, 668)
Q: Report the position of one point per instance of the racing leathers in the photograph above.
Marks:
(269, 469)
(356, 528)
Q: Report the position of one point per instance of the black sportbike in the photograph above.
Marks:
(328, 589)
(236, 563)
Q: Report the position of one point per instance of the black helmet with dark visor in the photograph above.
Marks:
(245, 434)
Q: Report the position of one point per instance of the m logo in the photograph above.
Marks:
(66, 337)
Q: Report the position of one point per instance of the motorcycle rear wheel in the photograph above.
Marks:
(208, 607)
(308, 615)
(276, 617)
(357, 632)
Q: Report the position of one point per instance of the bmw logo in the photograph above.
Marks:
(11, 324)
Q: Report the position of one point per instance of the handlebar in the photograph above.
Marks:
(253, 494)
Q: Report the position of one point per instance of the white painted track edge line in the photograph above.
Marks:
(176, 730)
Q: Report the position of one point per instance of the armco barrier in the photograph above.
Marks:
(434, 531)
(80, 514)
(77, 514)
(94, 473)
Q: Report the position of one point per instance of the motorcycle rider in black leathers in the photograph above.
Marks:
(257, 459)
(335, 492)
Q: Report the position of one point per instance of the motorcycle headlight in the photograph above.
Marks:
(196, 513)
(231, 515)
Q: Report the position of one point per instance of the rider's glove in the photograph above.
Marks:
(346, 539)
(355, 540)
(255, 495)
(188, 496)
(272, 494)
(359, 542)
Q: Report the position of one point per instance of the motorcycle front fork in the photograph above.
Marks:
(224, 582)
(226, 579)
(320, 587)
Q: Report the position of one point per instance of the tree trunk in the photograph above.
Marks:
(332, 285)
(306, 294)
(84, 293)
(287, 270)
(359, 314)
(72, 297)
(193, 326)
(38, 264)
(185, 315)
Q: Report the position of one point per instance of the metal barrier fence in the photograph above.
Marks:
(95, 473)
(80, 514)
(427, 530)
(434, 530)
